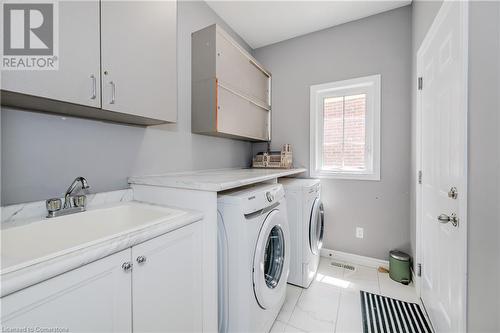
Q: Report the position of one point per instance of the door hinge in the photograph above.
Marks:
(420, 83)
(420, 176)
(419, 269)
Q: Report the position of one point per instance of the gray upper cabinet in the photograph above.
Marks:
(77, 79)
(139, 57)
(117, 61)
(231, 94)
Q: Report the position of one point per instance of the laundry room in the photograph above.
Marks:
(250, 166)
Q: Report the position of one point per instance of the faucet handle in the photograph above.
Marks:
(53, 205)
(79, 200)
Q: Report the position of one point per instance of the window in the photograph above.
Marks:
(345, 129)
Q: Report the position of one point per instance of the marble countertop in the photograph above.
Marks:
(214, 180)
(16, 274)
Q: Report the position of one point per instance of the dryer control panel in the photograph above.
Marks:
(263, 197)
(315, 188)
(255, 198)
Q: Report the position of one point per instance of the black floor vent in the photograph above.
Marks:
(341, 265)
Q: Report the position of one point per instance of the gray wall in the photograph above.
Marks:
(484, 168)
(377, 44)
(483, 309)
(41, 154)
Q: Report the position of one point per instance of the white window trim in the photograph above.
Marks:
(369, 85)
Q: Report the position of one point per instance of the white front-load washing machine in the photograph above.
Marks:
(306, 221)
(253, 257)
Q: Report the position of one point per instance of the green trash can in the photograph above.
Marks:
(399, 267)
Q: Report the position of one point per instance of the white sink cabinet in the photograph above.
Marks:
(152, 286)
(92, 298)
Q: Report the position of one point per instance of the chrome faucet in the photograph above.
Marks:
(72, 204)
(71, 188)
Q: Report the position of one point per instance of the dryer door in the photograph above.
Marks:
(316, 227)
(271, 260)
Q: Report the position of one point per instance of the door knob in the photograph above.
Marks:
(443, 218)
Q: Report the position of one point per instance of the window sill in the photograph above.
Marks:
(345, 175)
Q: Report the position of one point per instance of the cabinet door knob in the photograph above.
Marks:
(127, 266)
(141, 259)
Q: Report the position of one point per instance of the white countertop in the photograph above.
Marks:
(31, 255)
(214, 180)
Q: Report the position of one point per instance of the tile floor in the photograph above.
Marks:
(332, 302)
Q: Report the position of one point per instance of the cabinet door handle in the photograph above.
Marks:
(141, 259)
(127, 266)
(94, 87)
(113, 92)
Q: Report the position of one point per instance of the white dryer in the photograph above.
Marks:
(253, 257)
(306, 221)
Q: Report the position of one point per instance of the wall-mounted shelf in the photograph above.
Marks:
(231, 91)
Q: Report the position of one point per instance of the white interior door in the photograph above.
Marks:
(442, 148)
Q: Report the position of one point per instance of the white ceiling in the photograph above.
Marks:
(261, 22)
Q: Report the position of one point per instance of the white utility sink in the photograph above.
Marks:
(50, 238)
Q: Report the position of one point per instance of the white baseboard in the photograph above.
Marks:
(354, 258)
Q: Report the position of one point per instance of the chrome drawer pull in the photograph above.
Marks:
(94, 87)
(113, 92)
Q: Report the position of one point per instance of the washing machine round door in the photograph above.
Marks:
(316, 227)
(271, 260)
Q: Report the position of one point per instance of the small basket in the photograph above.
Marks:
(276, 160)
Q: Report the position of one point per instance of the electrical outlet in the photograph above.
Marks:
(359, 232)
